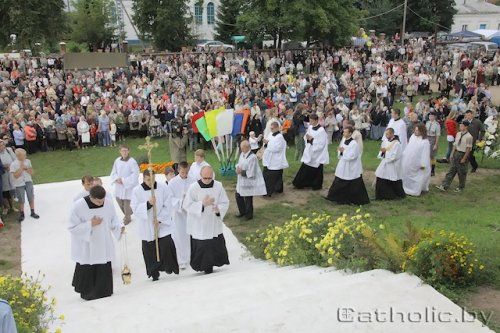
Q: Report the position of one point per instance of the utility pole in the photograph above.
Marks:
(404, 25)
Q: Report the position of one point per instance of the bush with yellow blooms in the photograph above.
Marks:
(358, 243)
(34, 311)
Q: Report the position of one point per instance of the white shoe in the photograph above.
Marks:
(182, 266)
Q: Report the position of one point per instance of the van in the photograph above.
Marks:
(488, 47)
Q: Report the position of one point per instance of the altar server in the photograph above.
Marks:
(92, 223)
(348, 186)
(206, 204)
(399, 127)
(125, 176)
(274, 160)
(389, 184)
(314, 157)
(142, 204)
(199, 162)
(178, 187)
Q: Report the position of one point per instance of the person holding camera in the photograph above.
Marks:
(178, 144)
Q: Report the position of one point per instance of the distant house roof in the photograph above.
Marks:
(476, 7)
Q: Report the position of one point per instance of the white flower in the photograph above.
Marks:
(486, 150)
(489, 142)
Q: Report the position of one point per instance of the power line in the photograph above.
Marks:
(423, 18)
(391, 10)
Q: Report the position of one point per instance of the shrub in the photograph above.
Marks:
(357, 243)
(444, 258)
(33, 311)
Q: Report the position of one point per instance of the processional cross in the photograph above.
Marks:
(148, 146)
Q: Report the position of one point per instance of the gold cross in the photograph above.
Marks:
(149, 147)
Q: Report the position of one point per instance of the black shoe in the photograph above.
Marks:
(209, 271)
(248, 218)
(21, 218)
(156, 276)
(473, 170)
(240, 216)
(433, 173)
(35, 215)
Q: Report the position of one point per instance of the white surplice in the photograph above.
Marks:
(144, 216)
(128, 171)
(178, 188)
(416, 166)
(195, 170)
(91, 245)
(390, 166)
(274, 157)
(316, 153)
(349, 166)
(399, 127)
(251, 182)
(202, 222)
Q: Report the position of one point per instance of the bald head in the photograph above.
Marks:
(244, 146)
(207, 174)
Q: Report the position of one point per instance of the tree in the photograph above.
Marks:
(227, 17)
(32, 22)
(386, 19)
(422, 15)
(165, 22)
(332, 21)
(430, 15)
(93, 22)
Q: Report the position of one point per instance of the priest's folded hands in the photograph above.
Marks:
(96, 221)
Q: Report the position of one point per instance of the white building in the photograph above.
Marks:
(475, 14)
(203, 25)
(204, 17)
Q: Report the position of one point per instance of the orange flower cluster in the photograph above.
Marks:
(157, 168)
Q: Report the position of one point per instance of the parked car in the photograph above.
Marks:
(213, 45)
(489, 47)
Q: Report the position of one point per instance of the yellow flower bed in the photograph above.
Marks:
(33, 311)
(357, 243)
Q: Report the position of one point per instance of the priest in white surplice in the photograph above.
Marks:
(178, 187)
(142, 205)
(315, 156)
(348, 186)
(399, 127)
(199, 162)
(124, 177)
(416, 164)
(250, 181)
(206, 203)
(389, 184)
(92, 224)
(274, 160)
